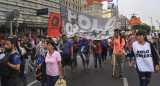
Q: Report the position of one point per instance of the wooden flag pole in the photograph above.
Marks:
(114, 58)
(113, 72)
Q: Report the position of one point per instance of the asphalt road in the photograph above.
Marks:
(100, 77)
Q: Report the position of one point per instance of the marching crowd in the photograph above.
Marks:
(141, 49)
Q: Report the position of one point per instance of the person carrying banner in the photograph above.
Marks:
(84, 51)
(97, 50)
(104, 50)
(147, 58)
(119, 57)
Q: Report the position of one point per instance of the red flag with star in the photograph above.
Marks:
(54, 25)
(90, 1)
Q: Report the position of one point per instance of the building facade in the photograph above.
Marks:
(28, 21)
(124, 22)
(107, 13)
(74, 4)
(94, 9)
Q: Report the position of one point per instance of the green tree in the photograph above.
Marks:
(142, 26)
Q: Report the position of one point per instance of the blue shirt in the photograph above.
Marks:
(86, 44)
(104, 43)
(16, 59)
(67, 47)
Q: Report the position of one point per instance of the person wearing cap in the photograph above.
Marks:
(119, 44)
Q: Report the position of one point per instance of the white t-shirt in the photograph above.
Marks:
(150, 37)
(143, 57)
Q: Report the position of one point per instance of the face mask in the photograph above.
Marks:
(8, 50)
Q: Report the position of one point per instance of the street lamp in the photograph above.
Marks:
(151, 24)
(158, 24)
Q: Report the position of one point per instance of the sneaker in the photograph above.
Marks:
(130, 64)
(134, 65)
(87, 67)
(120, 77)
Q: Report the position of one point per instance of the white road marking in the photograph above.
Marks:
(125, 81)
(32, 83)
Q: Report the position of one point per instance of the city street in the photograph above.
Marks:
(100, 77)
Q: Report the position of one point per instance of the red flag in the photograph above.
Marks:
(54, 25)
(90, 1)
(135, 20)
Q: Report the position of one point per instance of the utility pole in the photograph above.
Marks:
(159, 25)
(151, 24)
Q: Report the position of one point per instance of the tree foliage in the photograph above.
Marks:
(142, 26)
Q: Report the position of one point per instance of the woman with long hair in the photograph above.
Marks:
(146, 58)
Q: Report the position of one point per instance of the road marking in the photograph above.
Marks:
(32, 83)
(125, 81)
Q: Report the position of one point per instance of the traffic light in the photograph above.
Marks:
(43, 11)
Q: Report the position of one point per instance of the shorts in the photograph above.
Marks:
(66, 60)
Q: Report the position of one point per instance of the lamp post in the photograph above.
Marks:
(151, 24)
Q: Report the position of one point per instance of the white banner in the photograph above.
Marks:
(86, 26)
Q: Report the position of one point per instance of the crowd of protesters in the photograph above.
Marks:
(28, 54)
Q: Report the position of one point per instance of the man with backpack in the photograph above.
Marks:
(119, 57)
(75, 50)
(97, 50)
(84, 51)
(28, 47)
(10, 72)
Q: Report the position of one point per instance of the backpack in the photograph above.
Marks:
(76, 47)
(84, 48)
(104, 44)
(4, 68)
(41, 72)
(97, 46)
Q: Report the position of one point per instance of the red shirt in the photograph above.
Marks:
(118, 45)
(99, 49)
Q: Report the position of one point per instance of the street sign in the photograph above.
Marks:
(43, 11)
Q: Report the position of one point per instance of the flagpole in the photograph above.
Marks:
(114, 58)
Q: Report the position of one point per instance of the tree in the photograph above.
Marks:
(142, 26)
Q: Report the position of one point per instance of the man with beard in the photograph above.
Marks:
(13, 64)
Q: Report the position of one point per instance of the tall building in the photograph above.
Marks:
(74, 4)
(124, 22)
(28, 21)
(94, 9)
(107, 13)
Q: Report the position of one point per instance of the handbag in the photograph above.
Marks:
(60, 82)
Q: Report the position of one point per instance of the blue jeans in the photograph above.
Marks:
(144, 77)
(51, 80)
(75, 58)
(97, 55)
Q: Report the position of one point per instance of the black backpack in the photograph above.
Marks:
(97, 46)
(41, 72)
(4, 69)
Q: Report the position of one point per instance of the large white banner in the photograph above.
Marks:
(86, 26)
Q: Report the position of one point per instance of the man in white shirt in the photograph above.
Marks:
(150, 36)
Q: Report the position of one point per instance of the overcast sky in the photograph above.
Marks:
(144, 9)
